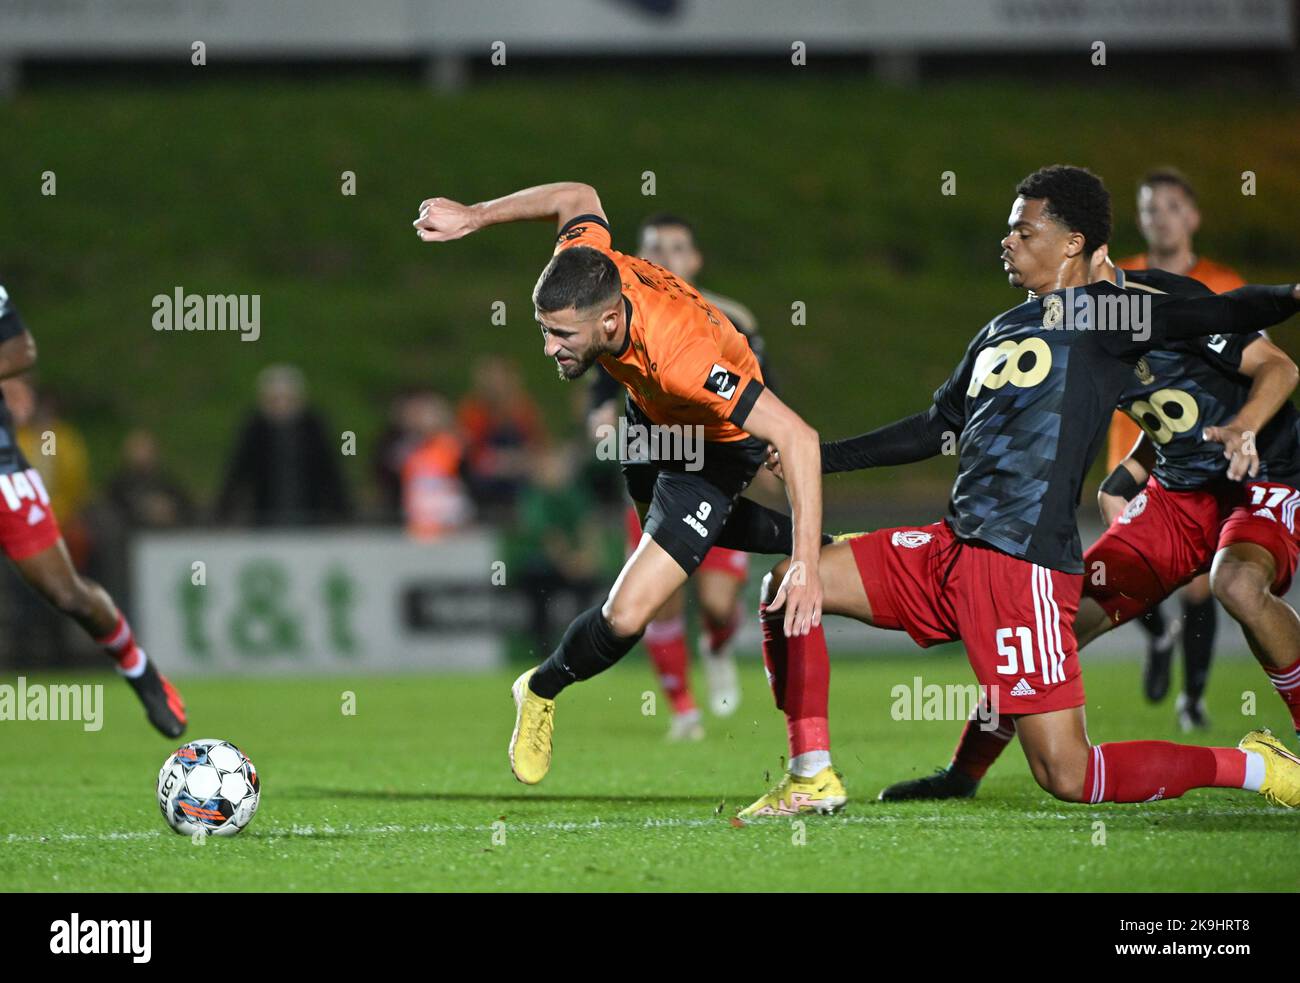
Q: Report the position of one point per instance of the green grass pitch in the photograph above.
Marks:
(405, 795)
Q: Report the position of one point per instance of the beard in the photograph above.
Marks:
(575, 370)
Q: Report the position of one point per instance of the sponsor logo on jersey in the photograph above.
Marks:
(1265, 514)
(911, 538)
(1023, 688)
(1217, 343)
(1143, 372)
(1133, 509)
(722, 381)
(571, 234)
(1053, 311)
(35, 514)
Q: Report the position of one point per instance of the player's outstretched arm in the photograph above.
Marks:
(913, 438)
(17, 355)
(442, 220)
(796, 443)
(1273, 379)
(1241, 311)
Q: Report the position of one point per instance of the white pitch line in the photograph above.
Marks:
(595, 825)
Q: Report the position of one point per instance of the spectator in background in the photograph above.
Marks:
(56, 449)
(503, 429)
(434, 498)
(558, 543)
(286, 469)
(142, 494)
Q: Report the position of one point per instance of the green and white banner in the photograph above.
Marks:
(316, 601)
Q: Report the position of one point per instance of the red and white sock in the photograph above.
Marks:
(121, 646)
(666, 641)
(1287, 683)
(979, 748)
(720, 635)
(1140, 771)
(799, 671)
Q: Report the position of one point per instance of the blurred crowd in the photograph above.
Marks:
(438, 467)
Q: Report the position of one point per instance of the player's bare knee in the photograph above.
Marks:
(1241, 589)
(626, 617)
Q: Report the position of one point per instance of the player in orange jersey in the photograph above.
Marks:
(1169, 217)
(699, 419)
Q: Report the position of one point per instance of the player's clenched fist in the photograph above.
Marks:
(442, 220)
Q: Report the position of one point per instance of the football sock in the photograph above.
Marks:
(720, 635)
(121, 647)
(755, 528)
(1154, 623)
(799, 669)
(1199, 624)
(979, 748)
(1287, 683)
(589, 646)
(1139, 771)
(666, 641)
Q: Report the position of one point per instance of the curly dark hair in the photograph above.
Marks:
(1076, 198)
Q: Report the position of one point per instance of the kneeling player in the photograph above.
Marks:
(30, 537)
(1194, 511)
(1029, 401)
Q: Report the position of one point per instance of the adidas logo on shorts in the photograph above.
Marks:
(1023, 688)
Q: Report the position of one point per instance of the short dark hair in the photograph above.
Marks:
(1169, 176)
(661, 220)
(579, 277)
(1076, 198)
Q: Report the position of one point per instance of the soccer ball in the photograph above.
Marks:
(208, 787)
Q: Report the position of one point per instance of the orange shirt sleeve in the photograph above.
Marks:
(585, 230)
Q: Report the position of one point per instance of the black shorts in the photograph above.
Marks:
(690, 500)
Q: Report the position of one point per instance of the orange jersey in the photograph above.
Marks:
(683, 362)
(1124, 433)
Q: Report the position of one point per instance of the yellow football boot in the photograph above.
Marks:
(1281, 768)
(530, 744)
(792, 795)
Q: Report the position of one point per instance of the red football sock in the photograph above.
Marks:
(121, 647)
(720, 635)
(1287, 683)
(1139, 771)
(666, 641)
(979, 748)
(800, 672)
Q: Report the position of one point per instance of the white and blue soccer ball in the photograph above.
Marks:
(208, 787)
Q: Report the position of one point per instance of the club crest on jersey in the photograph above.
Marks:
(722, 381)
(911, 538)
(1053, 311)
(1143, 372)
(1133, 509)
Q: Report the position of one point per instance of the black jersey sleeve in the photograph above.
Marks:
(11, 325)
(1242, 311)
(913, 438)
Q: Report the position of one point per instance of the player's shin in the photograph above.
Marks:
(1142, 771)
(588, 647)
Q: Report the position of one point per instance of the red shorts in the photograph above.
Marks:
(733, 563)
(27, 523)
(1016, 618)
(1165, 538)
